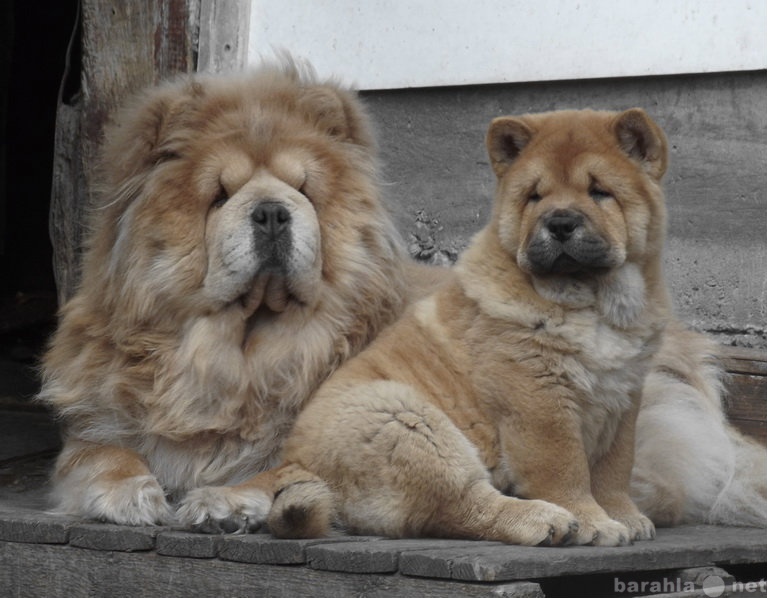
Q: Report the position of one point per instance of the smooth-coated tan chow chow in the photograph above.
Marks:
(239, 253)
(523, 377)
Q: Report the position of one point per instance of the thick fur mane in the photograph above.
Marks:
(141, 357)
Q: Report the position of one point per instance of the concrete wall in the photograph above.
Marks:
(438, 177)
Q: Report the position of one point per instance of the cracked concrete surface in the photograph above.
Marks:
(439, 182)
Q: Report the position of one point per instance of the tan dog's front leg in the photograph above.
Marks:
(545, 450)
(108, 483)
(610, 479)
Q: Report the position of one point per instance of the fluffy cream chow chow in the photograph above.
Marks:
(238, 254)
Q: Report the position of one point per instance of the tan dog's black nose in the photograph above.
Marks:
(563, 223)
(272, 218)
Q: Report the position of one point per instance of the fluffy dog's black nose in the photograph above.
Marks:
(271, 218)
(563, 223)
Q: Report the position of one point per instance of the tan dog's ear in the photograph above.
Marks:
(506, 138)
(337, 113)
(642, 140)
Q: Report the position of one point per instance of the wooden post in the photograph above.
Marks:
(125, 46)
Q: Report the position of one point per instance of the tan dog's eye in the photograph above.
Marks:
(534, 196)
(597, 193)
(221, 197)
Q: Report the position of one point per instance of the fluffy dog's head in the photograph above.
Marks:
(579, 195)
(239, 251)
(244, 191)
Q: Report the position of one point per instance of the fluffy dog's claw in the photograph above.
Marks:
(224, 510)
(236, 524)
(207, 526)
(239, 524)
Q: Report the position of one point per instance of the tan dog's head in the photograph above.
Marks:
(578, 191)
(246, 190)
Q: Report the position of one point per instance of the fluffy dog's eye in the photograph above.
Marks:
(308, 191)
(221, 197)
(598, 193)
(534, 196)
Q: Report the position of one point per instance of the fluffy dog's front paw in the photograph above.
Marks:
(137, 500)
(224, 509)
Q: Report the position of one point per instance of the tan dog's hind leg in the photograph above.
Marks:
(398, 466)
(108, 483)
(610, 480)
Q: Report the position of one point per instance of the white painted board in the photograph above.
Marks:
(385, 44)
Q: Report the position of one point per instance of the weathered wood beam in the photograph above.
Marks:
(124, 46)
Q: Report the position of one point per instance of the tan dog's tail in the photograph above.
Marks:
(691, 465)
(304, 505)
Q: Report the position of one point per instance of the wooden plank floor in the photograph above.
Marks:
(47, 556)
(746, 390)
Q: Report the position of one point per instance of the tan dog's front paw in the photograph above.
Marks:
(224, 509)
(603, 532)
(542, 524)
(621, 508)
(639, 526)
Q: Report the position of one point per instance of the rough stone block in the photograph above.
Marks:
(267, 550)
(379, 556)
(187, 544)
(35, 528)
(107, 536)
(519, 589)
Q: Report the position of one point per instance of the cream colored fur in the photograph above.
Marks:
(239, 252)
(692, 466)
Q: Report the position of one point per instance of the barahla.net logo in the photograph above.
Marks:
(712, 586)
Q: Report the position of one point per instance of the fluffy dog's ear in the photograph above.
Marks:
(642, 140)
(337, 113)
(140, 135)
(506, 138)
